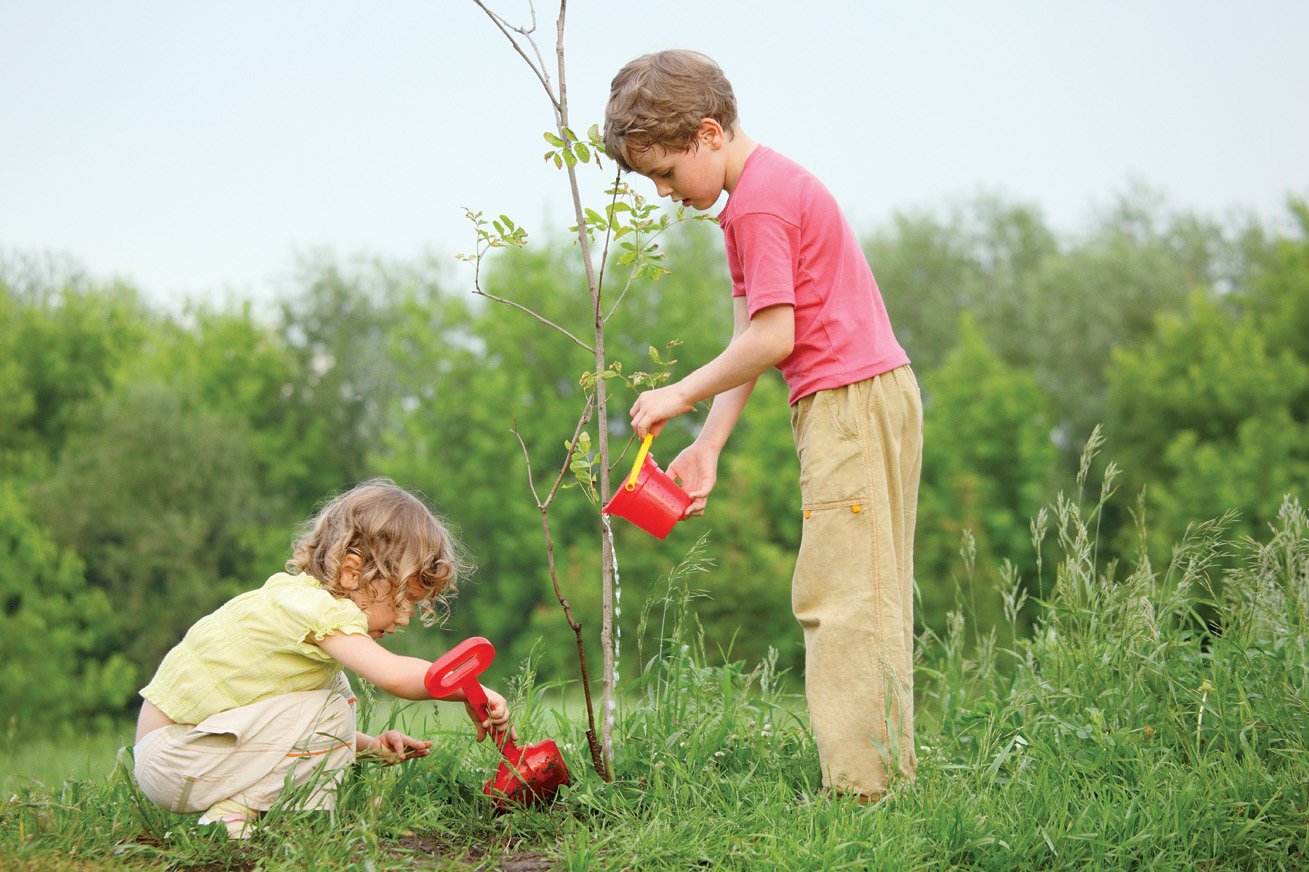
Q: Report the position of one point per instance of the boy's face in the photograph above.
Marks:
(695, 177)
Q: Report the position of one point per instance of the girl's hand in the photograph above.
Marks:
(497, 716)
(393, 747)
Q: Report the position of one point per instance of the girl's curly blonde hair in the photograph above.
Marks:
(660, 99)
(398, 539)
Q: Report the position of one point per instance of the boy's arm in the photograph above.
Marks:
(696, 467)
(758, 344)
(755, 347)
(729, 404)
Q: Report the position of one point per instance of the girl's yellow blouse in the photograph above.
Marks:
(252, 648)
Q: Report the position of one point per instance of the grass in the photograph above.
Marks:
(1148, 720)
(29, 764)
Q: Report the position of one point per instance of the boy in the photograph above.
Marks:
(806, 302)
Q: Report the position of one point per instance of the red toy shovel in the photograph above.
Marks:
(527, 775)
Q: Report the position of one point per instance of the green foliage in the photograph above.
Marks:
(174, 455)
(1207, 417)
(230, 363)
(1054, 308)
(1105, 294)
(570, 150)
(1124, 728)
(988, 465)
(1277, 290)
(161, 501)
(980, 260)
(62, 341)
(55, 669)
(348, 371)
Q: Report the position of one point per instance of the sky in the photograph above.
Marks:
(201, 149)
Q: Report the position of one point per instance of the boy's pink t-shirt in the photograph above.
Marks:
(789, 243)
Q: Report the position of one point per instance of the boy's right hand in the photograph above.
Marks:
(654, 407)
(497, 716)
(696, 469)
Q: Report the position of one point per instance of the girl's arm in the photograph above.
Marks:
(403, 676)
(397, 675)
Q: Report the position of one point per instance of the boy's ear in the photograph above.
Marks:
(348, 577)
(710, 133)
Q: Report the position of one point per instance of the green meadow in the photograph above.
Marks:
(1154, 717)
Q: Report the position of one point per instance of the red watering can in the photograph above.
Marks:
(527, 775)
(649, 498)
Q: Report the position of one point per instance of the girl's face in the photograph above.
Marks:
(383, 619)
(376, 604)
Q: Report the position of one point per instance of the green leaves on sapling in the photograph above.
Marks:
(499, 233)
(584, 465)
(570, 150)
(663, 364)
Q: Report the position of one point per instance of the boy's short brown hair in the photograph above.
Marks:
(660, 99)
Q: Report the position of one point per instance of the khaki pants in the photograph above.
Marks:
(247, 754)
(860, 449)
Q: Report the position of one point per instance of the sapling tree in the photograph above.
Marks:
(629, 227)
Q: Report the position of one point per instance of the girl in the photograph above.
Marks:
(254, 699)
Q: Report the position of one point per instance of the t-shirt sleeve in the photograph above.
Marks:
(767, 251)
(321, 615)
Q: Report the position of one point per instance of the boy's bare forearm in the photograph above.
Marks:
(757, 345)
(766, 341)
(723, 415)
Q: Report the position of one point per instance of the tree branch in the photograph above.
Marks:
(546, 321)
(505, 28)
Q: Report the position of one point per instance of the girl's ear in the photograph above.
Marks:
(348, 577)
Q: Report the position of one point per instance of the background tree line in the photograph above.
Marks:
(154, 463)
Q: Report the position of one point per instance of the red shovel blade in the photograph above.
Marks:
(537, 776)
(527, 775)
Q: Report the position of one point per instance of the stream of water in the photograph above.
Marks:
(618, 628)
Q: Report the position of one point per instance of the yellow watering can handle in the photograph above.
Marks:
(640, 459)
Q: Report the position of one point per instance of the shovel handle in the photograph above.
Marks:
(458, 669)
(640, 459)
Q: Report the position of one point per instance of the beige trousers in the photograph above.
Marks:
(860, 449)
(247, 754)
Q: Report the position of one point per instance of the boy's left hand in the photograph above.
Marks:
(696, 469)
(394, 747)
